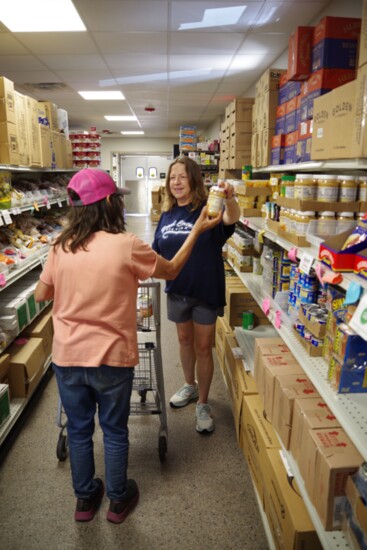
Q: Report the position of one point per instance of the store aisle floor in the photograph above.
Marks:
(201, 497)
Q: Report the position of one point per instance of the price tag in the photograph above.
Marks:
(48, 206)
(7, 217)
(359, 320)
(35, 206)
(59, 203)
(306, 263)
(237, 353)
(266, 306)
(2, 280)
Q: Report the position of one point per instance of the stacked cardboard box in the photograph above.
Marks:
(236, 135)
(9, 143)
(264, 116)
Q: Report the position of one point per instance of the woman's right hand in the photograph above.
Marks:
(204, 222)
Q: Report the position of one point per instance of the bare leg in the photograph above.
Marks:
(185, 333)
(203, 342)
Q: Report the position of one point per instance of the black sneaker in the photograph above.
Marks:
(87, 507)
(120, 509)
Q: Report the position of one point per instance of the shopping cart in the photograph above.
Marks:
(148, 396)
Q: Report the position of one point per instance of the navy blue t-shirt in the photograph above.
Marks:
(202, 277)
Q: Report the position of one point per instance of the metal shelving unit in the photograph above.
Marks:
(350, 409)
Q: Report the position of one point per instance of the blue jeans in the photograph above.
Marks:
(81, 389)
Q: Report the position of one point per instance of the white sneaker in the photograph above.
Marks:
(204, 419)
(184, 395)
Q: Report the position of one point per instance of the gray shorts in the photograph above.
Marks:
(182, 308)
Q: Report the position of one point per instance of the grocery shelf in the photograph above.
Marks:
(350, 409)
(259, 224)
(330, 540)
(322, 165)
(17, 405)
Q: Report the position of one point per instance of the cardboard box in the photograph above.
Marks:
(319, 83)
(288, 90)
(4, 367)
(238, 300)
(321, 133)
(9, 144)
(222, 328)
(332, 457)
(269, 80)
(270, 360)
(308, 414)
(289, 519)
(4, 403)
(7, 101)
(42, 328)
(342, 118)
(299, 53)
(290, 148)
(287, 388)
(22, 128)
(331, 253)
(240, 381)
(33, 131)
(257, 436)
(316, 206)
(26, 366)
(335, 42)
(358, 506)
(270, 372)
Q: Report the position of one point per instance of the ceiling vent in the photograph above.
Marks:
(48, 87)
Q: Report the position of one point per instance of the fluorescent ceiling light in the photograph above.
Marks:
(131, 133)
(113, 118)
(217, 17)
(101, 95)
(40, 16)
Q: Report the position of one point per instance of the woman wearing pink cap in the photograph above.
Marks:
(92, 274)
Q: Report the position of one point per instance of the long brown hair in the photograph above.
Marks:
(196, 182)
(83, 221)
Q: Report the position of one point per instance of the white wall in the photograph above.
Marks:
(140, 146)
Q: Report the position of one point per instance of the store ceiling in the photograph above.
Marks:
(188, 74)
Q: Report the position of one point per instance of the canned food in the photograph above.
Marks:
(248, 320)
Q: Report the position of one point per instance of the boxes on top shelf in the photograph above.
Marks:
(7, 101)
(300, 53)
(335, 42)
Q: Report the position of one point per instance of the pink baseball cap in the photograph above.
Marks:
(93, 185)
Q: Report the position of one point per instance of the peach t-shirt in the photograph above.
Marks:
(94, 308)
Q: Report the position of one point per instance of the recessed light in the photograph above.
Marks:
(102, 95)
(39, 16)
(127, 118)
(132, 133)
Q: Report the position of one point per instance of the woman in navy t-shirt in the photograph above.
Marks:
(197, 296)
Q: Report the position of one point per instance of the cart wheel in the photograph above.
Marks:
(143, 395)
(162, 447)
(62, 448)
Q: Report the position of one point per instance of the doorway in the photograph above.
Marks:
(140, 174)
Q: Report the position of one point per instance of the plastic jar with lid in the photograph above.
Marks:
(304, 187)
(327, 188)
(287, 186)
(362, 188)
(282, 219)
(292, 217)
(215, 201)
(346, 220)
(348, 188)
(326, 223)
(303, 219)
